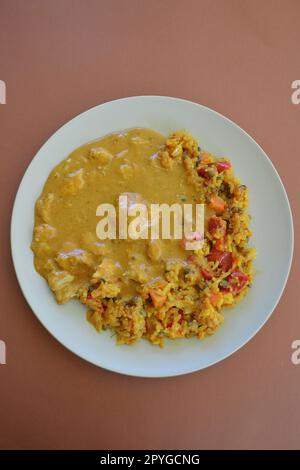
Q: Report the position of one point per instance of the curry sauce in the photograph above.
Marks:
(65, 242)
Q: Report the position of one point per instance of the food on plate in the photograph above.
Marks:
(144, 288)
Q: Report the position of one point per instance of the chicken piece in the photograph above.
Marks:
(73, 182)
(127, 170)
(61, 283)
(41, 248)
(76, 262)
(44, 232)
(108, 270)
(154, 250)
(43, 207)
(101, 155)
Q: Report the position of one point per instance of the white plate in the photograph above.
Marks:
(271, 223)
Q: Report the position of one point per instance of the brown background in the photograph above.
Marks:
(59, 58)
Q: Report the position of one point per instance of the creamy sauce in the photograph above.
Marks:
(65, 241)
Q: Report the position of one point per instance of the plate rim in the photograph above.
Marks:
(231, 122)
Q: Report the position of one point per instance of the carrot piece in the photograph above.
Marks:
(217, 204)
(158, 300)
(206, 158)
(214, 298)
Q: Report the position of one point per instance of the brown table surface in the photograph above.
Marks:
(61, 57)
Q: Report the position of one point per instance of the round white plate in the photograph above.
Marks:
(271, 224)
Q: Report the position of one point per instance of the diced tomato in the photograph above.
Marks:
(223, 166)
(158, 300)
(216, 224)
(208, 275)
(202, 171)
(225, 261)
(237, 281)
(217, 204)
(191, 259)
(224, 258)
